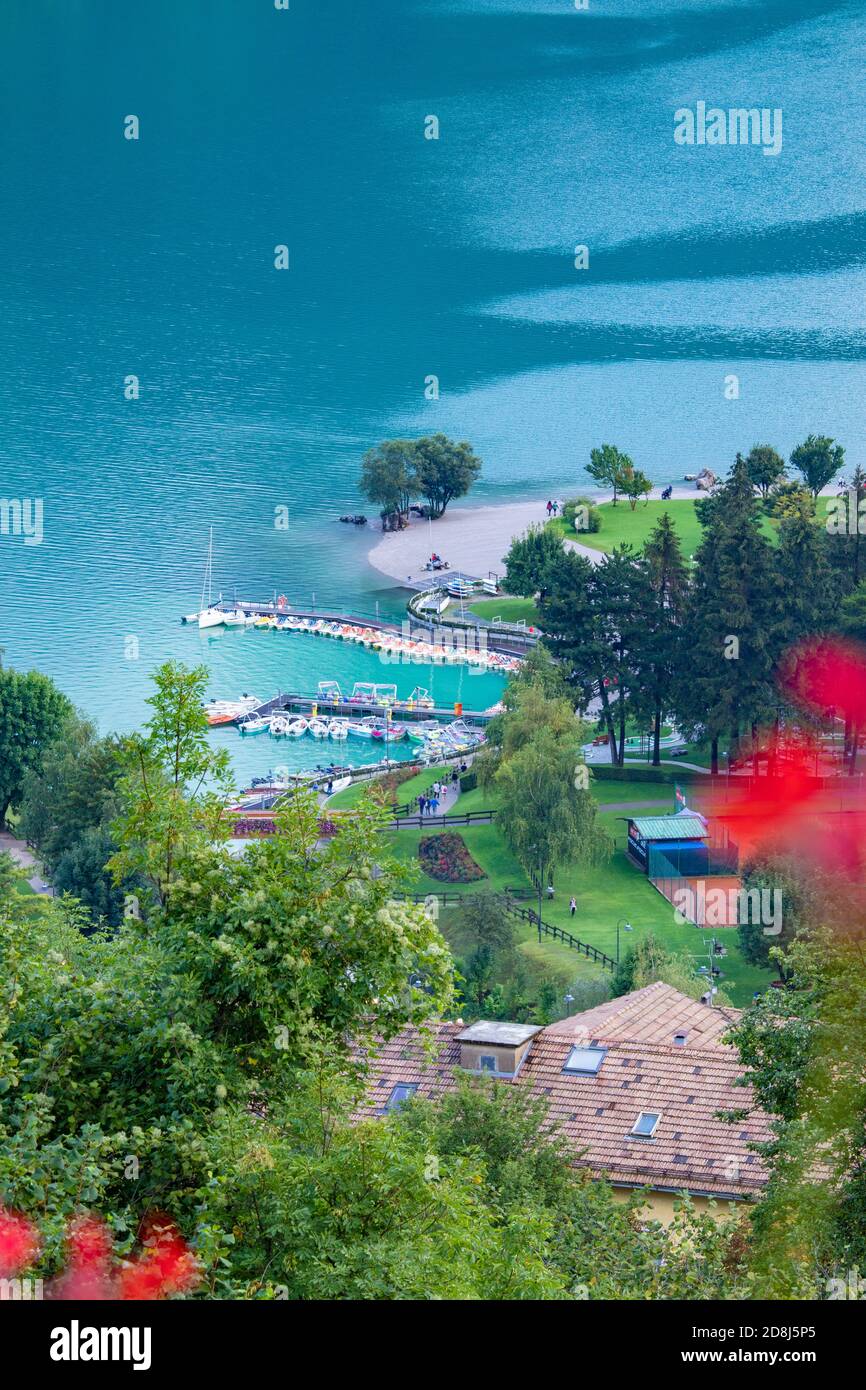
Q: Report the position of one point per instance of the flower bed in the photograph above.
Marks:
(446, 858)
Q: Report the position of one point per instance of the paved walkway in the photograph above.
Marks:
(23, 856)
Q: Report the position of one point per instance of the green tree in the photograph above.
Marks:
(804, 1052)
(731, 626)
(33, 713)
(8, 878)
(607, 466)
(534, 762)
(634, 485)
(174, 787)
(531, 560)
(388, 475)
(663, 595)
(648, 959)
(818, 459)
(775, 872)
(444, 470)
(67, 806)
(577, 631)
(765, 467)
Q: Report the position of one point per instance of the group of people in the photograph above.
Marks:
(428, 802)
(552, 508)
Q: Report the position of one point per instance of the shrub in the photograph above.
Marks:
(468, 781)
(592, 519)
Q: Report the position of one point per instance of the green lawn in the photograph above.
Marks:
(614, 891)
(657, 792)
(510, 610)
(412, 787)
(620, 523)
(487, 848)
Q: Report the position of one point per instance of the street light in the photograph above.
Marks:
(626, 926)
(534, 849)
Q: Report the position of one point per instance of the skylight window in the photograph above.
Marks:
(585, 1061)
(646, 1124)
(400, 1095)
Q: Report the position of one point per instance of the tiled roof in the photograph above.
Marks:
(652, 1014)
(686, 1083)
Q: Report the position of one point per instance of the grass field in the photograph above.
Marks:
(614, 891)
(621, 524)
(510, 610)
(412, 787)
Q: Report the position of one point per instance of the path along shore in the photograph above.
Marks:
(474, 540)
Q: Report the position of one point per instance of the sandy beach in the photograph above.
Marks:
(473, 539)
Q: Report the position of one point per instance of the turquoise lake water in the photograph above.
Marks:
(261, 389)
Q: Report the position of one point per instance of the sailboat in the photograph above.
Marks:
(210, 616)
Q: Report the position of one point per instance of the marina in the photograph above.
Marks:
(480, 645)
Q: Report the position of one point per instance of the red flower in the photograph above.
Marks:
(18, 1243)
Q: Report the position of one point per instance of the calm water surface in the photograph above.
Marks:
(260, 390)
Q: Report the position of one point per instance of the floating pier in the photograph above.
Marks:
(355, 709)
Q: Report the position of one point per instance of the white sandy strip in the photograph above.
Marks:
(473, 539)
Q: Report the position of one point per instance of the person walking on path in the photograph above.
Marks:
(549, 508)
(422, 805)
(572, 906)
(434, 806)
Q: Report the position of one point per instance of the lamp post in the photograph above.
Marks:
(626, 926)
(535, 850)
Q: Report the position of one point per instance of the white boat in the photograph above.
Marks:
(236, 617)
(210, 616)
(254, 724)
(296, 727)
(339, 728)
(279, 726)
(359, 729)
(318, 728)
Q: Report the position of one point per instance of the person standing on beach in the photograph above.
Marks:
(549, 508)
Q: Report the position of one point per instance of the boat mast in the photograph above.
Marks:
(208, 573)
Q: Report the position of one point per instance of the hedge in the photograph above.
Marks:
(468, 782)
(608, 772)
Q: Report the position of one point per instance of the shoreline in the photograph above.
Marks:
(475, 539)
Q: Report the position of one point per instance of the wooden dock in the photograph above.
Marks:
(360, 709)
(484, 634)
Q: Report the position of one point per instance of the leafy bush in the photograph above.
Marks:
(446, 858)
(592, 519)
(468, 782)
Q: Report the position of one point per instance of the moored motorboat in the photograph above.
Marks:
(296, 727)
(254, 724)
(318, 728)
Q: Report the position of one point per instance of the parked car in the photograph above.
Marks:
(679, 750)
